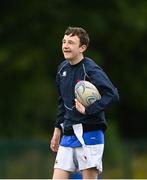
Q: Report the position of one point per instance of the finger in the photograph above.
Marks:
(79, 105)
(76, 101)
(54, 147)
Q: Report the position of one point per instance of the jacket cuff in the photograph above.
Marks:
(58, 126)
(89, 109)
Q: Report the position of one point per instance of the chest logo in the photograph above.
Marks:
(78, 80)
(64, 73)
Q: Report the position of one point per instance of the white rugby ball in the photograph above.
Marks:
(86, 93)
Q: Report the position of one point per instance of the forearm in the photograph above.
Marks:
(57, 133)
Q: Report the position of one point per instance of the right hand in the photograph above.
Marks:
(55, 140)
(79, 107)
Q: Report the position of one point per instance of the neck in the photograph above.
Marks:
(76, 61)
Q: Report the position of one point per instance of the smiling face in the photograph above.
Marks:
(72, 48)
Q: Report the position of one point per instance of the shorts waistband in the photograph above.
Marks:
(86, 128)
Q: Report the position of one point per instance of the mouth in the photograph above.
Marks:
(66, 51)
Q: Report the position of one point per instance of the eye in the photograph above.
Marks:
(71, 42)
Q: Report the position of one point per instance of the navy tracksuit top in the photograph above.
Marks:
(67, 77)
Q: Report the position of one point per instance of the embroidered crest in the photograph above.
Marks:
(64, 73)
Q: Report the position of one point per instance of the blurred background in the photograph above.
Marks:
(31, 32)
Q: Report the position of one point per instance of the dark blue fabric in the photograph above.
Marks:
(67, 77)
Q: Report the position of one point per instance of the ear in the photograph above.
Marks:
(83, 48)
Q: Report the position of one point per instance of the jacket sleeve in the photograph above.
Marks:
(109, 93)
(61, 108)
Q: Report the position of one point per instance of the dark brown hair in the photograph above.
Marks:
(80, 32)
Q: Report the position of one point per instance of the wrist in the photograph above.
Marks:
(57, 132)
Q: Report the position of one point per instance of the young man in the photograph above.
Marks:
(78, 136)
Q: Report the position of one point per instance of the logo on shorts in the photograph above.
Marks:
(93, 138)
(85, 157)
(56, 162)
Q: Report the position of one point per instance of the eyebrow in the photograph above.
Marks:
(68, 40)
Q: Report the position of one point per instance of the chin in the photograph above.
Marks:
(68, 57)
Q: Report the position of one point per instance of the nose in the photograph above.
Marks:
(65, 45)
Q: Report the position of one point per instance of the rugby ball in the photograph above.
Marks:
(86, 93)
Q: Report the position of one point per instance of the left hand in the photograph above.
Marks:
(79, 106)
